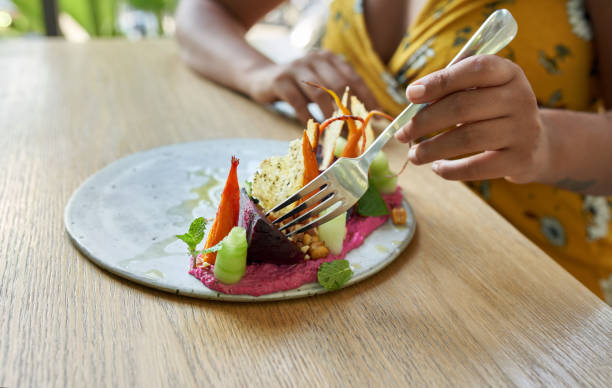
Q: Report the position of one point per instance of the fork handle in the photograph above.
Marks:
(493, 35)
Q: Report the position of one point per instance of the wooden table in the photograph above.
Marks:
(470, 302)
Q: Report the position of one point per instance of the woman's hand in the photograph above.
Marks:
(493, 111)
(273, 82)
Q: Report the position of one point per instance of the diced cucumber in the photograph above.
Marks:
(333, 232)
(381, 176)
(339, 146)
(380, 165)
(230, 264)
(385, 185)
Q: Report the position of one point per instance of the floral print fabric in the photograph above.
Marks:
(554, 48)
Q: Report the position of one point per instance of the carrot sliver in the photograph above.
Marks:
(352, 144)
(333, 94)
(227, 212)
(330, 120)
(366, 121)
(351, 150)
(329, 142)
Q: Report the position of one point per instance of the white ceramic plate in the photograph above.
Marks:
(124, 217)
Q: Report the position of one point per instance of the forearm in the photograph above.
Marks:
(212, 42)
(580, 150)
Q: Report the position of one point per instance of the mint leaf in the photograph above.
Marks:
(195, 234)
(335, 274)
(371, 204)
(197, 228)
(188, 240)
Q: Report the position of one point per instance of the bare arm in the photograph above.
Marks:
(211, 35)
(581, 143)
(580, 151)
(504, 133)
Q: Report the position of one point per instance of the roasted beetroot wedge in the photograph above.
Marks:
(267, 244)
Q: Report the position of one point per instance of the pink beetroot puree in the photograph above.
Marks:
(263, 278)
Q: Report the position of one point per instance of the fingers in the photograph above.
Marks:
(480, 71)
(354, 81)
(336, 74)
(490, 104)
(321, 67)
(331, 79)
(460, 107)
(287, 90)
(465, 139)
(485, 165)
(306, 73)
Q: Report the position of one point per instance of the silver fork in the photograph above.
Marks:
(342, 184)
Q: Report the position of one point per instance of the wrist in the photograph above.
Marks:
(555, 151)
(257, 80)
(575, 151)
(547, 167)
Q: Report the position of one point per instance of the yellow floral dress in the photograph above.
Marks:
(554, 48)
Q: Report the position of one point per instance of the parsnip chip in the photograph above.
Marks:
(331, 133)
(358, 109)
(311, 130)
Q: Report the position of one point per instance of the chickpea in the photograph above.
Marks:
(318, 250)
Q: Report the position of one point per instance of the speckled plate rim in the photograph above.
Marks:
(306, 290)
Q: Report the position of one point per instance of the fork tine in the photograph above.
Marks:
(321, 195)
(323, 219)
(316, 210)
(318, 183)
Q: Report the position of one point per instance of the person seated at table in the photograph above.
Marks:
(531, 120)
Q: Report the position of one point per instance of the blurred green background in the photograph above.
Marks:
(83, 19)
(283, 34)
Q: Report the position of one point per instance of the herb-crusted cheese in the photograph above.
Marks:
(279, 177)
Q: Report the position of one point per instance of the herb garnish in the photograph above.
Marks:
(195, 235)
(371, 204)
(335, 274)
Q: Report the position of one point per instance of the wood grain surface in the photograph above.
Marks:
(470, 302)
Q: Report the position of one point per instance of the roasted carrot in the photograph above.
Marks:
(311, 167)
(328, 146)
(365, 123)
(351, 150)
(352, 143)
(330, 120)
(227, 213)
